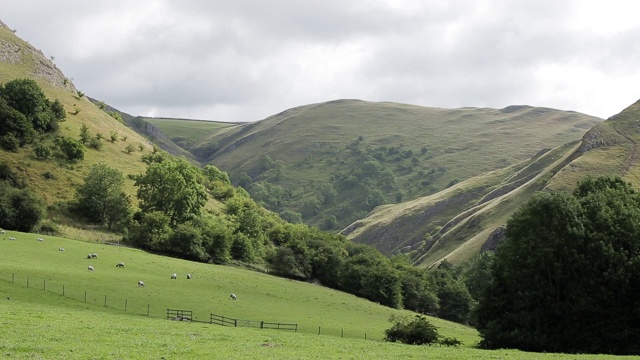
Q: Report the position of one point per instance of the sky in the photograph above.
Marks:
(241, 60)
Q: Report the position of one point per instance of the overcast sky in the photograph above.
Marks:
(241, 60)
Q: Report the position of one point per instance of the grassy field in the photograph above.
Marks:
(38, 322)
(261, 296)
(185, 132)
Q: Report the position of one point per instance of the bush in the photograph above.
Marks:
(72, 149)
(42, 151)
(95, 143)
(418, 331)
(10, 142)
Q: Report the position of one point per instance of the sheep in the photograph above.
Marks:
(12, 238)
(60, 249)
(90, 268)
(2, 232)
(93, 256)
(233, 297)
(89, 256)
(174, 276)
(188, 276)
(120, 265)
(140, 283)
(40, 239)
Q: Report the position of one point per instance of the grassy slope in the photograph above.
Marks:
(33, 65)
(44, 324)
(186, 132)
(461, 143)
(260, 296)
(466, 213)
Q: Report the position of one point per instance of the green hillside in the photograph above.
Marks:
(55, 179)
(91, 330)
(185, 132)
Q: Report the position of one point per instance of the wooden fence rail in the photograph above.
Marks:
(181, 315)
(227, 321)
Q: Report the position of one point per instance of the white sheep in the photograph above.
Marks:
(141, 283)
(174, 276)
(12, 238)
(188, 276)
(90, 268)
(40, 239)
(233, 297)
(120, 265)
(60, 249)
(93, 256)
(2, 232)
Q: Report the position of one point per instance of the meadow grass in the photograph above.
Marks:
(37, 324)
(262, 297)
(185, 131)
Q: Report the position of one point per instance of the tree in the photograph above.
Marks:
(42, 151)
(150, 231)
(20, 209)
(565, 278)
(72, 149)
(15, 123)
(101, 198)
(418, 331)
(173, 187)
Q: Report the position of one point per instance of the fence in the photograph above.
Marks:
(227, 321)
(146, 309)
(182, 315)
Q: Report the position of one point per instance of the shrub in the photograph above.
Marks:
(114, 136)
(10, 142)
(130, 148)
(42, 151)
(418, 331)
(95, 143)
(72, 149)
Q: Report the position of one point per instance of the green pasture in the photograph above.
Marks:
(262, 297)
(184, 131)
(37, 324)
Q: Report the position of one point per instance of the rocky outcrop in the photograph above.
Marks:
(494, 239)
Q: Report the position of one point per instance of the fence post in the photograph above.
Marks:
(318, 330)
(62, 290)
(125, 304)
(85, 296)
(341, 332)
(261, 324)
(44, 284)
(235, 322)
(27, 281)
(365, 336)
(148, 305)
(13, 277)
(105, 301)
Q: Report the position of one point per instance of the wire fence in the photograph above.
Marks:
(134, 306)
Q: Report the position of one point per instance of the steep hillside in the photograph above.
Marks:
(330, 164)
(55, 179)
(456, 223)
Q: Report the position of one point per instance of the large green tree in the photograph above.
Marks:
(566, 279)
(20, 209)
(173, 187)
(101, 198)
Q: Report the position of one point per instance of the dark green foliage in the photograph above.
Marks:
(20, 209)
(173, 187)
(25, 96)
(13, 123)
(454, 298)
(95, 143)
(418, 331)
(42, 151)
(566, 277)
(478, 275)
(150, 231)
(10, 142)
(101, 199)
(72, 149)
(85, 135)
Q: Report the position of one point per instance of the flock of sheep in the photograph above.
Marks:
(118, 265)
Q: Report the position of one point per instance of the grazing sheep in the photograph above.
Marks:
(2, 232)
(90, 268)
(60, 249)
(40, 239)
(174, 276)
(93, 256)
(12, 238)
(89, 256)
(120, 265)
(141, 283)
(233, 297)
(188, 276)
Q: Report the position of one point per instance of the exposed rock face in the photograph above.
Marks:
(494, 239)
(19, 52)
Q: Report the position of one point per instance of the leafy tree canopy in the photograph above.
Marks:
(566, 277)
